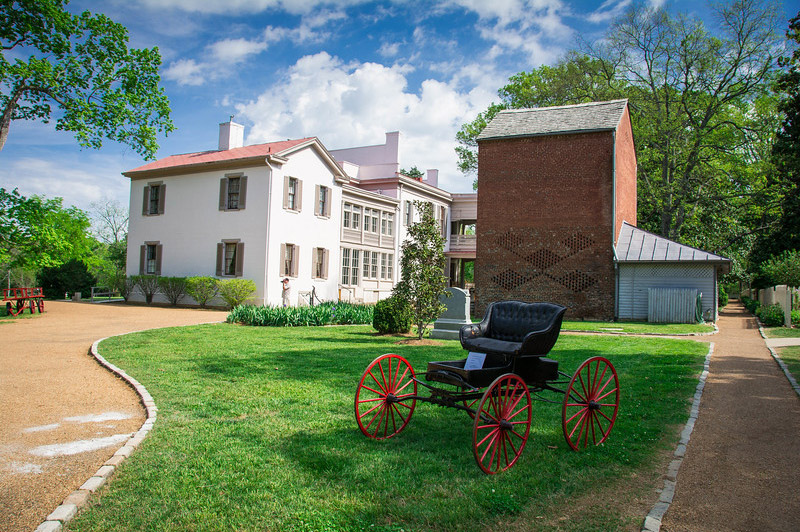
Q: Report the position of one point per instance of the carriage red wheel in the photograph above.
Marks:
(385, 397)
(40, 305)
(502, 424)
(15, 309)
(32, 306)
(590, 403)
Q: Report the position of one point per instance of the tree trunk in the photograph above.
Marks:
(5, 120)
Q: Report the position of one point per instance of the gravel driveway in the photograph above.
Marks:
(61, 414)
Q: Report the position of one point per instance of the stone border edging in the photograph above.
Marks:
(779, 361)
(78, 498)
(652, 522)
(622, 333)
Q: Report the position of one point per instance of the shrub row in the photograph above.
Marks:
(770, 315)
(200, 288)
(326, 313)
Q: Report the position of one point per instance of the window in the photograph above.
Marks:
(371, 220)
(230, 258)
(292, 193)
(320, 266)
(374, 266)
(322, 207)
(290, 254)
(150, 259)
(387, 223)
(232, 192)
(386, 265)
(153, 201)
(443, 221)
(351, 217)
(345, 266)
(365, 273)
(350, 263)
(409, 213)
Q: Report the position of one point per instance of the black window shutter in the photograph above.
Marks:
(220, 258)
(242, 191)
(239, 259)
(142, 256)
(223, 193)
(159, 249)
(161, 197)
(146, 201)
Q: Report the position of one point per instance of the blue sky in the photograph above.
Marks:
(346, 71)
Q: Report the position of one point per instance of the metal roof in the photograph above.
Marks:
(638, 245)
(581, 118)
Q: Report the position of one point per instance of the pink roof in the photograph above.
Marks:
(216, 156)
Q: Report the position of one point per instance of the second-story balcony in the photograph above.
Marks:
(462, 244)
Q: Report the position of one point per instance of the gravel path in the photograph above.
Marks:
(742, 466)
(61, 414)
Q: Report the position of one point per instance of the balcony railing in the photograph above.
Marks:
(462, 243)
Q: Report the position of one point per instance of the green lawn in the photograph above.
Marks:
(791, 357)
(782, 332)
(256, 431)
(637, 327)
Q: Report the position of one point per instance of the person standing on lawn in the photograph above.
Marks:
(286, 291)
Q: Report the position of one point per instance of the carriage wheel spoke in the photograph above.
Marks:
(391, 373)
(502, 416)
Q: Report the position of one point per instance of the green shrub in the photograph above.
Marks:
(796, 317)
(771, 315)
(326, 313)
(148, 284)
(72, 276)
(202, 289)
(236, 291)
(392, 315)
(752, 305)
(723, 296)
(173, 288)
(125, 285)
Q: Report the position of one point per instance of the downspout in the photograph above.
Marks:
(614, 220)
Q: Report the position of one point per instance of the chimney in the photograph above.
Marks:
(432, 177)
(231, 135)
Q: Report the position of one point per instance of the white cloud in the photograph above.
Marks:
(609, 10)
(354, 104)
(80, 180)
(235, 50)
(185, 72)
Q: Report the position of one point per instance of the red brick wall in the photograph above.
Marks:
(545, 223)
(626, 175)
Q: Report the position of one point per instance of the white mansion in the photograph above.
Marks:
(332, 221)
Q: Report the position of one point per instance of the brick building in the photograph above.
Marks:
(556, 185)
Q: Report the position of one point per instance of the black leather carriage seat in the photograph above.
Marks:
(515, 328)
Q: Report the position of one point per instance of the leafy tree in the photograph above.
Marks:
(72, 276)
(415, 172)
(422, 269)
(784, 269)
(786, 155)
(202, 289)
(37, 233)
(80, 64)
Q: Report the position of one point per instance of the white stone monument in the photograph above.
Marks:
(455, 317)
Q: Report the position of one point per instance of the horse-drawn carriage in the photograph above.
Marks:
(505, 366)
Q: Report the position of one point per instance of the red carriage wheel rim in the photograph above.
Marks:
(502, 424)
(385, 397)
(591, 403)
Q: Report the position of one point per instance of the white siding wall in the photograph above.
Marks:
(304, 228)
(636, 279)
(192, 225)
